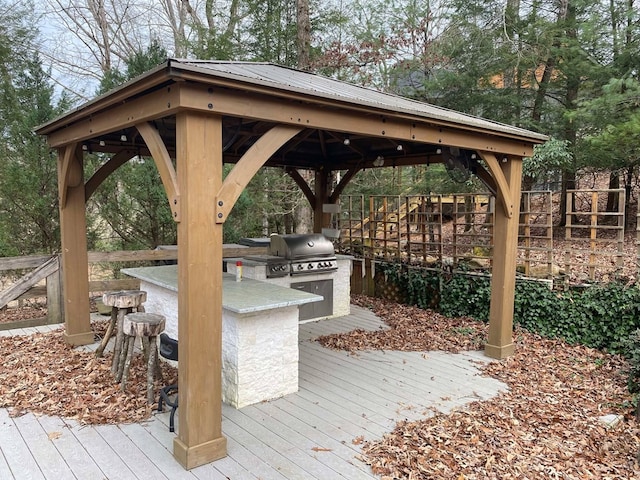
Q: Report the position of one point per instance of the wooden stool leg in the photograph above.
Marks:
(158, 369)
(129, 342)
(108, 333)
(152, 347)
(122, 358)
(145, 348)
(148, 345)
(117, 348)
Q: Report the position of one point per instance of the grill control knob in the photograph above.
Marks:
(310, 266)
(300, 267)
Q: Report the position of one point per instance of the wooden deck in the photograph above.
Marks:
(306, 435)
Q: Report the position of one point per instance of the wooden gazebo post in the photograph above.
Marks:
(320, 219)
(199, 172)
(508, 175)
(73, 233)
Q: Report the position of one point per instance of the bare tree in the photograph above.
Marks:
(304, 34)
(90, 37)
(175, 19)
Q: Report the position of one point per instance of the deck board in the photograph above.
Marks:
(340, 454)
(49, 460)
(130, 453)
(315, 433)
(16, 452)
(274, 465)
(80, 461)
(103, 454)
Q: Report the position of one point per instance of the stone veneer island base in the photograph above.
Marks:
(259, 331)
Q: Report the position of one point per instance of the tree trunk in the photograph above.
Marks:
(304, 213)
(568, 14)
(612, 198)
(304, 34)
(627, 196)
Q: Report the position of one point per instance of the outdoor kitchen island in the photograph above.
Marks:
(305, 262)
(259, 331)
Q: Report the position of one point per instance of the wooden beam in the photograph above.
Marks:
(216, 84)
(237, 180)
(75, 266)
(503, 278)
(55, 298)
(353, 120)
(163, 163)
(20, 263)
(486, 178)
(161, 254)
(128, 113)
(199, 162)
(105, 170)
(504, 193)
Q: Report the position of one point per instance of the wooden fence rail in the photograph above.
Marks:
(43, 279)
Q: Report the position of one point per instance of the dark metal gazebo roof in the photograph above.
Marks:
(316, 148)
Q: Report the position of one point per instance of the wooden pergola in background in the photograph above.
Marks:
(193, 116)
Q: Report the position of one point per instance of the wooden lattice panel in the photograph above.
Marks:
(594, 234)
(535, 238)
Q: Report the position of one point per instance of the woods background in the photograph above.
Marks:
(566, 68)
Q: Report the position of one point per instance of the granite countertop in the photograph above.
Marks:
(247, 296)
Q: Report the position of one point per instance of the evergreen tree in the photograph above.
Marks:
(132, 200)
(28, 176)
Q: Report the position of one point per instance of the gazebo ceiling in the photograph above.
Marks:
(317, 146)
(311, 149)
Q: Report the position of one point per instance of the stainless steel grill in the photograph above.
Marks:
(276, 266)
(306, 253)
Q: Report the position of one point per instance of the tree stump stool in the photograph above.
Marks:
(121, 303)
(147, 326)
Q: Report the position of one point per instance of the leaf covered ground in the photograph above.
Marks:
(545, 427)
(40, 373)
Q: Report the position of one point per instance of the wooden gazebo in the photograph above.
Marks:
(193, 116)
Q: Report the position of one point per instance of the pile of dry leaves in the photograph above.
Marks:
(16, 314)
(411, 329)
(545, 426)
(40, 373)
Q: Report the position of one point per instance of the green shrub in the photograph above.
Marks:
(466, 295)
(600, 316)
(420, 286)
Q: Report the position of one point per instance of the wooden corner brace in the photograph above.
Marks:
(165, 167)
(248, 166)
(67, 177)
(504, 190)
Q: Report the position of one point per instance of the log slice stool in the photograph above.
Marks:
(121, 303)
(147, 326)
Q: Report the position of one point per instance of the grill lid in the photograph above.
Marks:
(300, 246)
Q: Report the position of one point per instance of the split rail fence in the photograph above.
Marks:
(33, 278)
